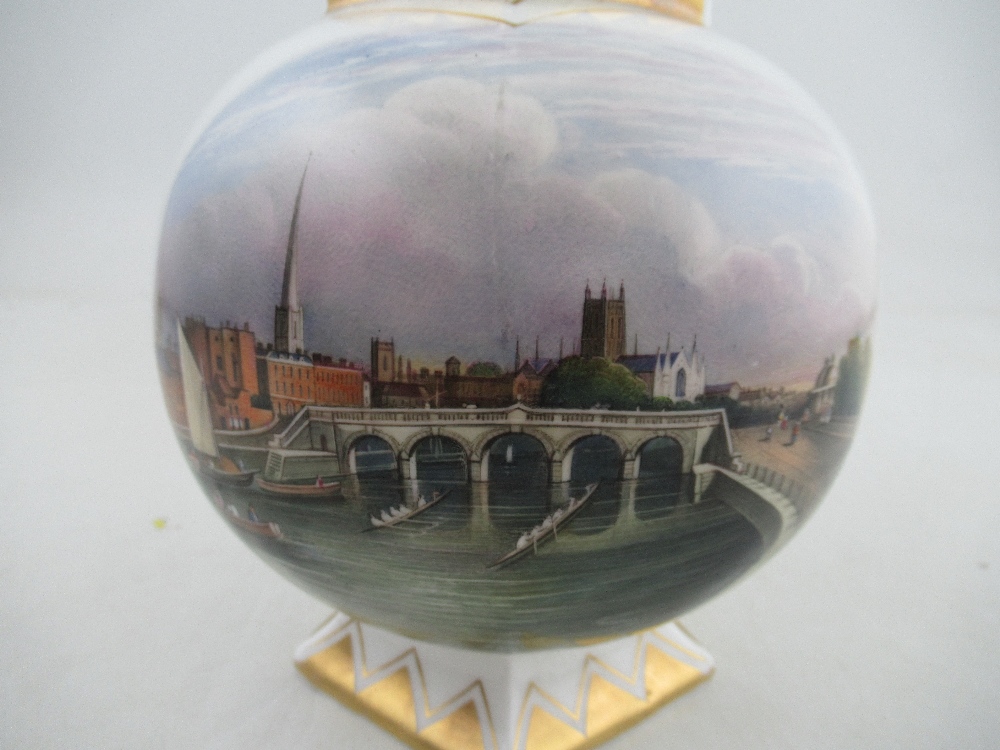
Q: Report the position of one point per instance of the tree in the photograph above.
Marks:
(484, 370)
(578, 383)
(739, 415)
(852, 378)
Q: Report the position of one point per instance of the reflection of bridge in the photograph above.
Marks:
(703, 436)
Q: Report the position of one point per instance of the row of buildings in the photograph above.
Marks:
(678, 375)
(250, 384)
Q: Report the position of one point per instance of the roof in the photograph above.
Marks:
(720, 388)
(641, 363)
(298, 359)
(393, 388)
(538, 365)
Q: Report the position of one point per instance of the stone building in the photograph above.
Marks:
(724, 390)
(679, 376)
(383, 361)
(529, 379)
(603, 331)
(227, 360)
(337, 383)
(291, 382)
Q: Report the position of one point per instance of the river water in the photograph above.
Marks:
(639, 553)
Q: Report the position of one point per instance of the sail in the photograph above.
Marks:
(199, 415)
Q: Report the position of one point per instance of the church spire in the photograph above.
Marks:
(517, 355)
(289, 286)
(288, 323)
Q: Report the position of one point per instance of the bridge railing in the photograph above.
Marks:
(777, 481)
(512, 415)
(298, 423)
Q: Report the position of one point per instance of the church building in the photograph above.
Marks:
(603, 330)
(679, 376)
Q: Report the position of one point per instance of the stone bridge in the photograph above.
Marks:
(703, 436)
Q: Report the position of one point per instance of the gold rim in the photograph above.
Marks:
(692, 11)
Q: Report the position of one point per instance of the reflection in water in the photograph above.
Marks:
(639, 553)
(373, 454)
(519, 472)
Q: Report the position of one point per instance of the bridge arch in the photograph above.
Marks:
(406, 449)
(660, 455)
(354, 442)
(578, 443)
(483, 442)
(442, 441)
(661, 484)
(522, 456)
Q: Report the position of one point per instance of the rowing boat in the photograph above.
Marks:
(391, 518)
(548, 529)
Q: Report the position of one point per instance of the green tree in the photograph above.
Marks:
(578, 383)
(484, 370)
(852, 378)
(739, 415)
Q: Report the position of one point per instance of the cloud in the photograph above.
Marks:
(659, 204)
(443, 218)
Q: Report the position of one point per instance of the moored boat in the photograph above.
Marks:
(205, 456)
(530, 540)
(326, 489)
(302, 474)
(252, 524)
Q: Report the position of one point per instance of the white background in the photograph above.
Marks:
(876, 627)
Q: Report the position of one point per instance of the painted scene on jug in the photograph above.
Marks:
(506, 356)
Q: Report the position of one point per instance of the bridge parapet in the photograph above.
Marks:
(699, 433)
(511, 415)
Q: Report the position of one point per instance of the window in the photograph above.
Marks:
(681, 388)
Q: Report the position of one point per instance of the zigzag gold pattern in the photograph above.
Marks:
(395, 696)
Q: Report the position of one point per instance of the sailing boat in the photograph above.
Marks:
(510, 454)
(205, 457)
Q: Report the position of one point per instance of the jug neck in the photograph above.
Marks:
(517, 11)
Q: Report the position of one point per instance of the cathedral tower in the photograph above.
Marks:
(603, 330)
(288, 322)
(383, 360)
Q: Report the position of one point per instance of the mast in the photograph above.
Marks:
(199, 415)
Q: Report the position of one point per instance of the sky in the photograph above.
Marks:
(467, 179)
